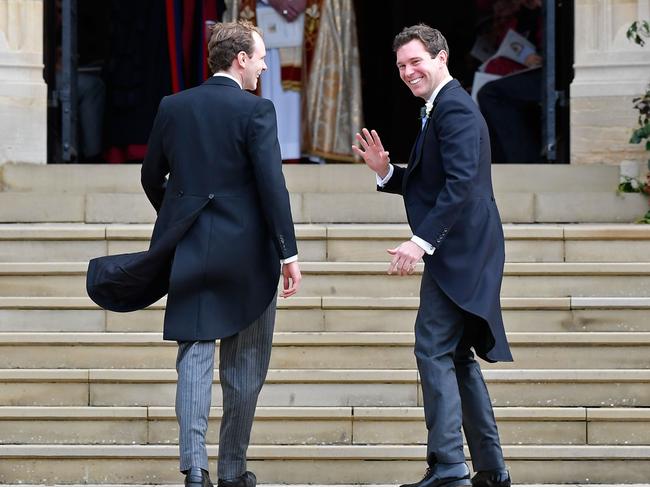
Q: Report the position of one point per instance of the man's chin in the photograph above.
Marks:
(417, 93)
(424, 94)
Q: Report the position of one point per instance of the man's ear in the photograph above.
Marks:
(241, 58)
(444, 56)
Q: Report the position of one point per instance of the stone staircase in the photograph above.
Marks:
(527, 193)
(86, 396)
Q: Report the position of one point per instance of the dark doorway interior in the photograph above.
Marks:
(125, 58)
(129, 54)
(390, 108)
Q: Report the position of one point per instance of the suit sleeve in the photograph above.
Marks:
(155, 166)
(459, 139)
(264, 153)
(394, 184)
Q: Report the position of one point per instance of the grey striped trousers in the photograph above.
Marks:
(243, 364)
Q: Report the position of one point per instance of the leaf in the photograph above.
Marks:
(626, 187)
(645, 218)
(637, 31)
(641, 133)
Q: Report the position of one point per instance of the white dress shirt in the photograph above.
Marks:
(423, 244)
(293, 258)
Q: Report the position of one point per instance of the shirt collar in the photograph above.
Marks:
(227, 75)
(429, 103)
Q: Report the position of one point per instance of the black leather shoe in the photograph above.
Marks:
(197, 477)
(490, 478)
(431, 480)
(246, 480)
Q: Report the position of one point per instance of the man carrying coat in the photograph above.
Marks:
(447, 190)
(219, 145)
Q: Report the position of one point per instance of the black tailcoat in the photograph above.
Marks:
(224, 220)
(447, 189)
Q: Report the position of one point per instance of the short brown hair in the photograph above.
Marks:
(227, 40)
(433, 40)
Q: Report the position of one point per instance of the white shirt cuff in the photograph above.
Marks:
(382, 182)
(423, 244)
(289, 260)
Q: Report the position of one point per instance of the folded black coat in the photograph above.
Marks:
(129, 282)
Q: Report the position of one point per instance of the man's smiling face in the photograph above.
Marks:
(255, 64)
(421, 73)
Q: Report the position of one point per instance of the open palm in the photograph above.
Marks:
(372, 151)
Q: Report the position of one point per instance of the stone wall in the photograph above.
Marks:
(23, 93)
(610, 71)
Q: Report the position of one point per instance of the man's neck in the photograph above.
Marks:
(435, 93)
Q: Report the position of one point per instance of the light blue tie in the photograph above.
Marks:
(423, 115)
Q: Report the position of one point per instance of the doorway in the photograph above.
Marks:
(468, 26)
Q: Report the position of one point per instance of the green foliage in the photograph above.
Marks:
(645, 219)
(642, 105)
(633, 185)
(629, 185)
(637, 31)
(642, 132)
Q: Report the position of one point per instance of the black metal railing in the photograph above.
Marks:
(67, 90)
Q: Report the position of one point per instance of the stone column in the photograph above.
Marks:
(23, 93)
(609, 72)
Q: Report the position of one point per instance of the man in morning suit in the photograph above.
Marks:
(219, 145)
(456, 227)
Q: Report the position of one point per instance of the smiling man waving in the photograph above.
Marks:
(447, 190)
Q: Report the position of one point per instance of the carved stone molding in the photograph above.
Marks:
(21, 25)
(23, 93)
(606, 62)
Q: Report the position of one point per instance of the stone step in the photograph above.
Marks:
(331, 193)
(293, 425)
(334, 242)
(325, 464)
(524, 243)
(325, 387)
(586, 314)
(624, 279)
(354, 207)
(320, 350)
(334, 314)
(42, 207)
(318, 425)
(71, 178)
(81, 242)
(335, 178)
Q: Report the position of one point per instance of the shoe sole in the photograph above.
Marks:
(457, 483)
(491, 484)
